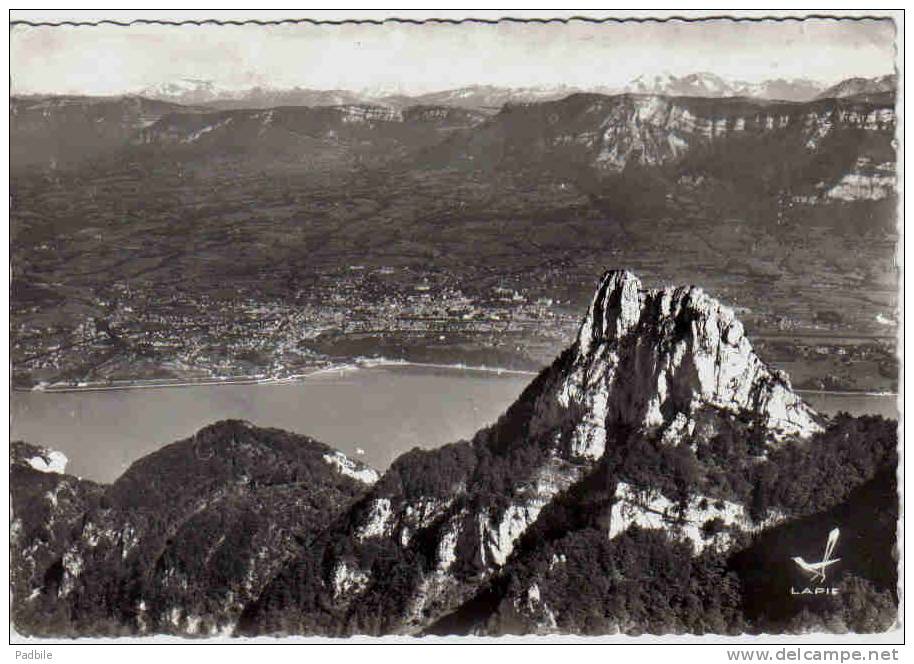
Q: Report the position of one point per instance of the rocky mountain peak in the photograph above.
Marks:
(615, 308)
(664, 359)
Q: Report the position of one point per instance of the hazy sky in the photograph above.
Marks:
(413, 59)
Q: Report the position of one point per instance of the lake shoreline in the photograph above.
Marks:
(384, 412)
(355, 365)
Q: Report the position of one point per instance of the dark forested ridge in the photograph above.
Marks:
(185, 537)
(198, 527)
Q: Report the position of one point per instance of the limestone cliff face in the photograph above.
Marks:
(866, 181)
(611, 132)
(656, 358)
(652, 129)
(363, 113)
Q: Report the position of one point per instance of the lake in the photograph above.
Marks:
(383, 411)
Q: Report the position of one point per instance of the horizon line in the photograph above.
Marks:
(372, 95)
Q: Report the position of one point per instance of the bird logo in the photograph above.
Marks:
(817, 570)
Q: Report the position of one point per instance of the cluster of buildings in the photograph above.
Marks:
(188, 335)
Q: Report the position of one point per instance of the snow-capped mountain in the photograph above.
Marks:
(692, 85)
(207, 93)
(187, 91)
(196, 92)
(703, 84)
(484, 96)
(706, 84)
(860, 86)
(797, 89)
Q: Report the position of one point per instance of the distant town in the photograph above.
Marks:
(356, 313)
(135, 335)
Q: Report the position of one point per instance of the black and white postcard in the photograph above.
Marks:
(392, 327)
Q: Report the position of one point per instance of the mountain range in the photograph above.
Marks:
(603, 134)
(196, 92)
(710, 85)
(56, 130)
(635, 486)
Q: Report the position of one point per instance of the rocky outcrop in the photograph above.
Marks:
(350, 468)
(444, 116)
(703, 522)
(865, 182)
(656, 359)
(365, 113)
